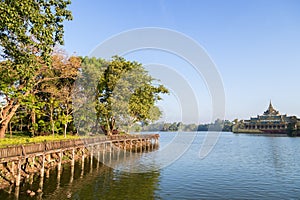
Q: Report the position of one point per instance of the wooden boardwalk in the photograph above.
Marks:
(16, 156)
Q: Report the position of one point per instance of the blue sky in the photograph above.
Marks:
(255, 45)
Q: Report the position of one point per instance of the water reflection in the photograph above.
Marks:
(87, 178)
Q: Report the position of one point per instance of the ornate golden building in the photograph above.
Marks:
(270, 122)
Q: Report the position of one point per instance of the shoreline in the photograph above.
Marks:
(264, 134)
(17, 162)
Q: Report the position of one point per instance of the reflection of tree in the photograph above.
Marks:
(98, 182)
(107, 183)
(123, 186)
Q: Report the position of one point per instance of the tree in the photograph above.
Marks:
(84, 105)
(292, 128)
(218, 125)
(33, 108)
(173, 127)
(191, 127)
(57, 88)
(49, 105)
(227, 126)
(126, 95)
(28, 31)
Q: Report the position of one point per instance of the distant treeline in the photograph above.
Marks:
(224, 125)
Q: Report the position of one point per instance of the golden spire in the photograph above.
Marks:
(270, 106)
(271, 110)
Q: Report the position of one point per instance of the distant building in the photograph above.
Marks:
(270, 122)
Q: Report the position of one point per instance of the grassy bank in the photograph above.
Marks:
(23, 140)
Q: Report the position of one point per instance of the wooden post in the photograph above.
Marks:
(17, 192)
(43, 165)
(145, 141)
(99, 152)
(136, 145)
(152, 144)
(48, 157)
(112, 149)
(109, 152)
(141, 145)
(125, 147)
(13, 168)
(58, 178)
(130, 145)
(72, 174)
(18, 178)
(91, 157)
(47, 173)
(92, 153)
(103, 152)
(60, 155)
(98, 160)
(41, 184)
(73, 157)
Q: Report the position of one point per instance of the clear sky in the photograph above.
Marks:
(255, 46)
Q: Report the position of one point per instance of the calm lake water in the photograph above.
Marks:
(239, 167)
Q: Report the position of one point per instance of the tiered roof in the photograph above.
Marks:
(271, 110)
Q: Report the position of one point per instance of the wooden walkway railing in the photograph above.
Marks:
(23, 150)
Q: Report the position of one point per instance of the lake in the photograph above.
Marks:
(240, 166)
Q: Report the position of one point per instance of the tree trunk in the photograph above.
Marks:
(9, 114)
(65, 131)
(108, 129)
(3, 129)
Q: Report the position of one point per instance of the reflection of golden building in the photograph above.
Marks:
(270, 122)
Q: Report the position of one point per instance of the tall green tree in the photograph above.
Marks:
(126, 95)
(84, 103)
(28, 31)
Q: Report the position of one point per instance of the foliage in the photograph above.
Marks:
(84, 105)
(49, 107)
(30, 28)
(224, 125)
(126, 95)
(63, 98)
(28, 31)
(292, 129)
